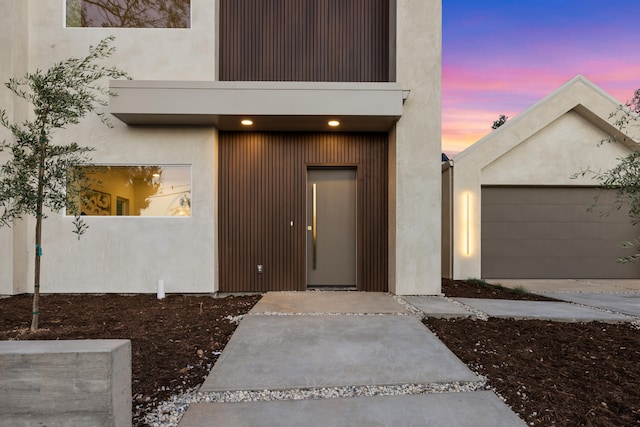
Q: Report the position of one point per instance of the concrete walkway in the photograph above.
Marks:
(360, 359)
(572, 285)
(620, 296)
(342, 359)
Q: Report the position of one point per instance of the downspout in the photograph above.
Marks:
(447, 169)
(451, 257)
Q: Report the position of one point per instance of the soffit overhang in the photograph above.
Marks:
(273, 106)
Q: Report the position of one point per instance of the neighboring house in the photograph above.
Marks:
(196, 196)
(511, 208)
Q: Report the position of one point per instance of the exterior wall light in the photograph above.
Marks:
(467, 220)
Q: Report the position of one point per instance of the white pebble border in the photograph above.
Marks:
(321, 313)
(170, 412)
(411, 309)
(480, 315)
(339, 392)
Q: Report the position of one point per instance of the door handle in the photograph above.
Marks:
(315, 225)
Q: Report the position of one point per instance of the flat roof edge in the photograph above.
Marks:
(188, 103)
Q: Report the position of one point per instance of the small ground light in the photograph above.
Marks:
(334, 123)
(247, 122)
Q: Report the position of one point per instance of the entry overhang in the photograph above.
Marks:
(272, 106)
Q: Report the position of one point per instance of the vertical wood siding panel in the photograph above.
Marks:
(263, 188)
(304, 40)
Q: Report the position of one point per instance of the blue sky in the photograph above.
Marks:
(501, 57)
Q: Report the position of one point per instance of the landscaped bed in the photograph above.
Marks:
(174, 341)
(552, 374)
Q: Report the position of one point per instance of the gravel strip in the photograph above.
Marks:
(170, 412)
(411, 309)
(480, 315)
(338, 392)
(320, 313)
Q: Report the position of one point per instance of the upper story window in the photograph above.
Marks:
(129, 13)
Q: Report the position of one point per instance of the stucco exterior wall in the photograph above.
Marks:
(127, 254)
(554, 155)
(414, 202)
(13, 62)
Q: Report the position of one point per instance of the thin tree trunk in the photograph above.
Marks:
(36, 286)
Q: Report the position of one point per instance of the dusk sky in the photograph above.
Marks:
(502, 56)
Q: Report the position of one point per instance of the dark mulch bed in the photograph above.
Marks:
(174, 341)
(550, 373)
(480, 289)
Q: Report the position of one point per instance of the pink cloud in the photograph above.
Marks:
(472, 98)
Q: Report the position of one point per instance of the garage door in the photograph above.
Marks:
(547, 232)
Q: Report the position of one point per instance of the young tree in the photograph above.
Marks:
(624, 178)
(35, 176)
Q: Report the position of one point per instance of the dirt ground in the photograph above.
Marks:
(174, 341)
(552, 374)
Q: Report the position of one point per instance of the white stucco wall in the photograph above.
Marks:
(7, 29)
(13, 62)
(129, 254)
(555, 154)
(545, 145)
(414, 202)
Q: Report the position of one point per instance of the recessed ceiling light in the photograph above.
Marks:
(334, 123)
(247, 122)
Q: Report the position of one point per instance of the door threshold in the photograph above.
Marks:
(331, 288)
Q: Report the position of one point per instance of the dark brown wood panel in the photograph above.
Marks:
(304, 40)
(262, 188)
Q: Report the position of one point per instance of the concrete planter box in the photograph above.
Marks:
(65, 383)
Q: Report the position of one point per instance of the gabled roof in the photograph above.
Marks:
(578, 94)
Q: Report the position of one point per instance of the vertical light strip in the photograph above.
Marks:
(315, 226)
(468, 223)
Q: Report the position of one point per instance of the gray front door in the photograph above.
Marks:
(331, 227)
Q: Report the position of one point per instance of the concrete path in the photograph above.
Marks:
(439, 307)
(626, 303)
(327, 302)
(479, 408)
(621, 296)
(348, 362)
(571, 285)
(545, 310)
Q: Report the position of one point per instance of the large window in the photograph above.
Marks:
(130, 191)
(129, 13)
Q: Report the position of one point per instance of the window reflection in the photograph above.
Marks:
(129, 13)
(130, 191)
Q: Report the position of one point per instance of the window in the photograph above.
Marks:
(129, 13)
(129, 191)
